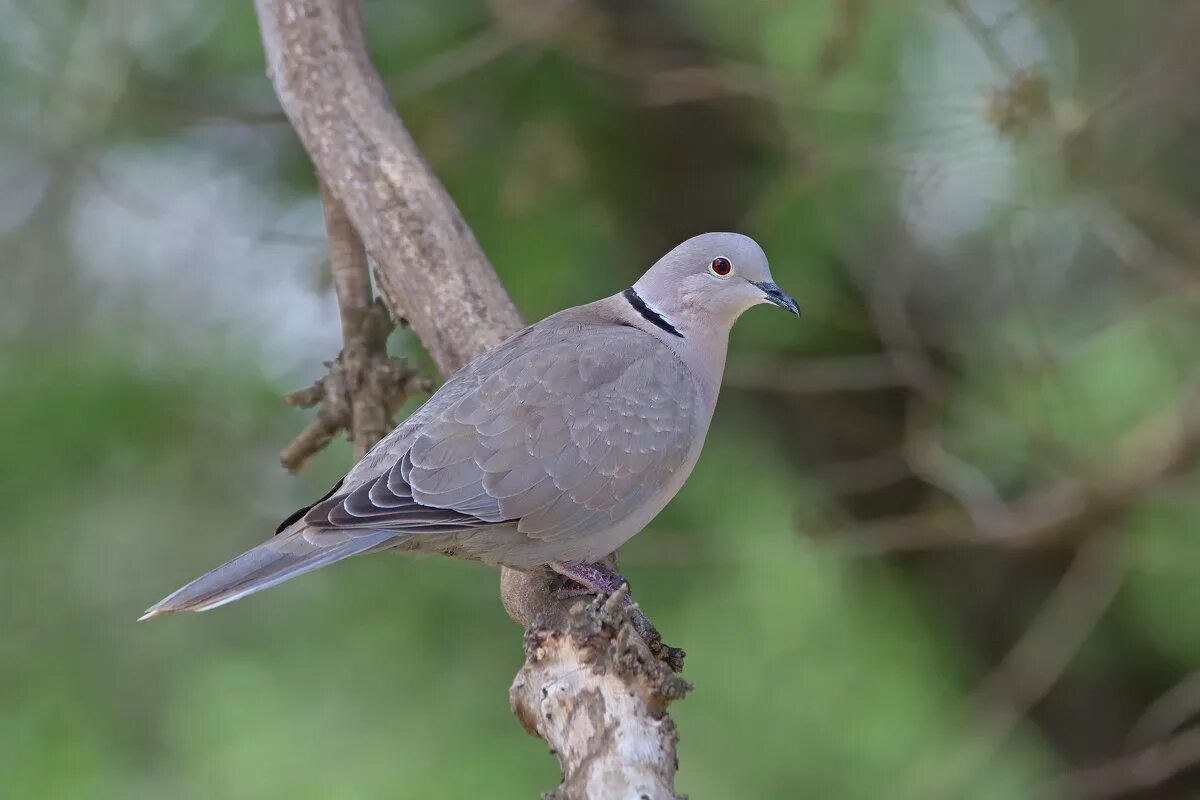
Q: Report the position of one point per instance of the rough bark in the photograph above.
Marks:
(364, 386)
(428, 265)
(431, 271)
(369, 415)
(591, 686)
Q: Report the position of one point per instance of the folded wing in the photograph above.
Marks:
(561, 439)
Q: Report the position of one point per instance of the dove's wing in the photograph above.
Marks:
(565, 436)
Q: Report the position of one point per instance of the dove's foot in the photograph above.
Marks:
(580, 578)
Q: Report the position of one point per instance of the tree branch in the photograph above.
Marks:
(364, 386)
(431, 271)
(592, 687)
(428, 265)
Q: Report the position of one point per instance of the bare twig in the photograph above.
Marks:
(364, 386)
(1166, 714)
(1029, 670)
(886, 298)
(370, 374)
(862, 475)
(348, 265)
(1134, 773)
(931, 460)
(1155, 451)
(358, 395)
(470, 56)
(983, 36)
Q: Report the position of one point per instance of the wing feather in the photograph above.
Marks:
(563, 436)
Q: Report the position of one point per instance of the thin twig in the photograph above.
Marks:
(364, 385)
(983, 36)
(348, 265)
(1029, 670)
(364, 348)
(1166, 714)
(1133, 773)
(1152, 453)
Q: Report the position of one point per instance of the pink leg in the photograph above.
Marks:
(596, 578)
(599, 579)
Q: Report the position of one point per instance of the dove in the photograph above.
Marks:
(546, 453)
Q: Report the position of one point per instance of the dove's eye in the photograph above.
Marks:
(721, 267)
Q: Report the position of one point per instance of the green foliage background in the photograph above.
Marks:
(140, 383)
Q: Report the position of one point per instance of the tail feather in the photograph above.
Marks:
(269, 564)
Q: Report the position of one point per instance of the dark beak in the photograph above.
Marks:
(777, 296)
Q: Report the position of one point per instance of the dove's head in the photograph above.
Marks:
(707, 282)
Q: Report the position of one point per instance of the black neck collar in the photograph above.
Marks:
(649, 314)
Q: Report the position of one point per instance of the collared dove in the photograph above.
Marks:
(546, 453)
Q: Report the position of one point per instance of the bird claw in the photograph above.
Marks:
(574, 580)
(671, 656)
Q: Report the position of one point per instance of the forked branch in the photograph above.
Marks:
(364, 386)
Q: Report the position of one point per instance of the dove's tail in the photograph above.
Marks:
(285, 556)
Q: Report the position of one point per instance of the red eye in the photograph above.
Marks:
(720, 266)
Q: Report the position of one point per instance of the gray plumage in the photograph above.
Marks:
(552, 449)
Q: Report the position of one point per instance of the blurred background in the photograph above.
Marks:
(943, 539)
